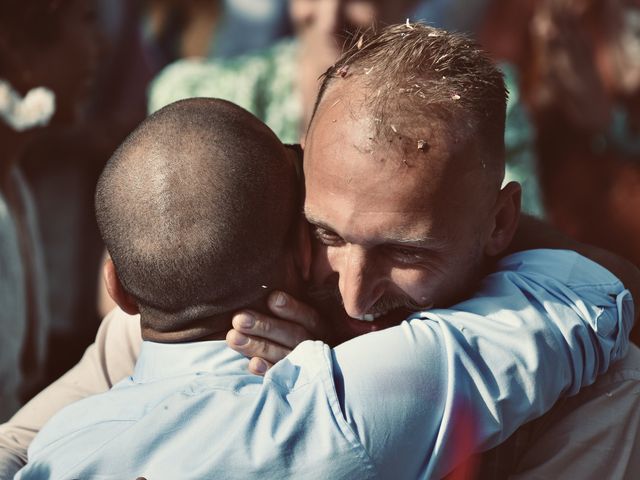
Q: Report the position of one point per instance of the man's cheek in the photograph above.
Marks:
(417, 284)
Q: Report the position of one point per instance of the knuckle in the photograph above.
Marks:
(263, 349)
(265, 325)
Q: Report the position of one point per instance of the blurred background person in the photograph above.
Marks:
(63, 165)
(35, 39)
(579, 70)
(213, 28)
(457, 15)
(278, 84)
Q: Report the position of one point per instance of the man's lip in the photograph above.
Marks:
(359, 327)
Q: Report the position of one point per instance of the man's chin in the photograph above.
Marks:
(346, 328)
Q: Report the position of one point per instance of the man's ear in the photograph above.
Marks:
(505, 219)
(125, 301)
(302, 253)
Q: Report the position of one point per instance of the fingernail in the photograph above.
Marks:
(281, 299)
(245, 320)
(261, 367)
(239, 339)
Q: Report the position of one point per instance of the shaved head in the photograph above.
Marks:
(196, 209)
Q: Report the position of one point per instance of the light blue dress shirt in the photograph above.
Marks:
(407, 402)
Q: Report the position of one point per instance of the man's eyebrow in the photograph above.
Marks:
(416, 241)
(316, 221)
(426, 242)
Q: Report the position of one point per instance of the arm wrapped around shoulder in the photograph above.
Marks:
(452, 382)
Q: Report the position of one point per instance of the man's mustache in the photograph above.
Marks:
(323, 294)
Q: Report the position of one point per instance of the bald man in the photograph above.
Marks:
(198, 209)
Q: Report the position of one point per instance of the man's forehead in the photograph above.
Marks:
(349, 117)
(372, 171)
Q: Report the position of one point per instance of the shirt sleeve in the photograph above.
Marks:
(108, 360)
(423, 396)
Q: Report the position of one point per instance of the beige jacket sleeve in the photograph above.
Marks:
(593, 435)
(110, 359)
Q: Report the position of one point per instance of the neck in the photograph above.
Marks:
(201, 330)
(151, 335)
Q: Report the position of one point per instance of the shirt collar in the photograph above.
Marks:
(163, 360)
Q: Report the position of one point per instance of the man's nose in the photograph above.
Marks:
(359, 284)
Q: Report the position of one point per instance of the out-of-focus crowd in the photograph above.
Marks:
(573, 125)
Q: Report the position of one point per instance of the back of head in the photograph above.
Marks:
(195, 209)
(417, 71)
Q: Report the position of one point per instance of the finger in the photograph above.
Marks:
(283, 332)
(256, 347)
(259, 366)
(285, 306)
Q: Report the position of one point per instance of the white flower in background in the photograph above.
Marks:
(34, 110)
